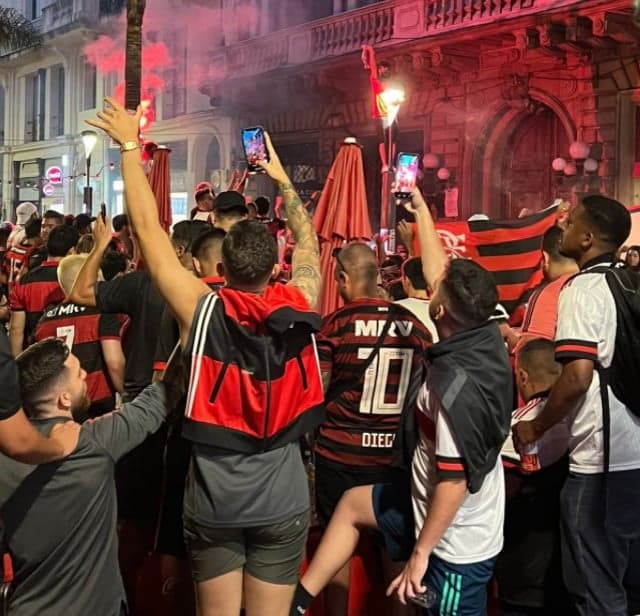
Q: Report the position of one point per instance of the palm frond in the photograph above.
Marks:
(16, 31)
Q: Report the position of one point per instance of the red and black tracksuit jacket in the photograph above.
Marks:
(255, 381)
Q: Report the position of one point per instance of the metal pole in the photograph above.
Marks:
(390, 201)
(88, 190)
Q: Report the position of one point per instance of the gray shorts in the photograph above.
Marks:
(271, 553)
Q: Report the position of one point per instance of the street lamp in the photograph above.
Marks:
(392, 97)
(89, 139)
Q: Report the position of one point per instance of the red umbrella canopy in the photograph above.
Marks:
(341, 216)
(160, 181)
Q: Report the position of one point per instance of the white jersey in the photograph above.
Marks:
(547, 450)
(587, 322)
(475, 534)
(420, 307)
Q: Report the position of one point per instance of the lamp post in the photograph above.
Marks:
(581, 169)
(89, 139)
(392, 97)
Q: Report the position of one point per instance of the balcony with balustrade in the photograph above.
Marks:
(383, 25)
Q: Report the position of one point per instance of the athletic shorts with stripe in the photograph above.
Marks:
(461, 590)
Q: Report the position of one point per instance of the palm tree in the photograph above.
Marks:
(16, 31)
(133, 58)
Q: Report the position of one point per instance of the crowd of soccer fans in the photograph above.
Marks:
(177, 405)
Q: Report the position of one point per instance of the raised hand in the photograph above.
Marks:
(117, 122)
(102, 233)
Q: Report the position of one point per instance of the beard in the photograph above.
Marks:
(79, 410)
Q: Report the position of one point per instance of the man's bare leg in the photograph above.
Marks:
(353, 513)
(221, 595)
(336, 593)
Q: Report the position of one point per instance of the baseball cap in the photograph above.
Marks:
(230, 200)
(82, 220)
(25, 211)
(202, 187)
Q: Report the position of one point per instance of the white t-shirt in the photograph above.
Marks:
(420, 307)
(548, 450)
(587, 330)
(475, 534)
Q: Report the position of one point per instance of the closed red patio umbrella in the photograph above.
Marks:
(341, 216)
(160, 181)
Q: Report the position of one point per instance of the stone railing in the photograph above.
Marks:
(383, 24)
(64, 13)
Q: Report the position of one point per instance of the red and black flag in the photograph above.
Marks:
(509, 249)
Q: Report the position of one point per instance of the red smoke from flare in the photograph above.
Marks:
(108, 56)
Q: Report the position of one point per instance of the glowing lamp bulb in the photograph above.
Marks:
(591, 165)
(579, 150)
(430, 161)
(570, 169)
(559, 164)
(89, 140)
(444, 174)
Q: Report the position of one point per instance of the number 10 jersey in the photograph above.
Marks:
(363, 417)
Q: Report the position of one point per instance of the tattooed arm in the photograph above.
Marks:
(305, 265)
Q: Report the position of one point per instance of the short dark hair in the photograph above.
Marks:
(205, 242)
(186, 231)
(470, 291)
(32, 227)
(396, 291)
(552, 241)
(262, 206)
(53, 214)
(607, 219)
(61, 240)
(537, 356)
(120, 221)
(112, 264)
(39, 366)
(249, 253)
(412, 270)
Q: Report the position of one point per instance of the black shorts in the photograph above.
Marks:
(333, 480)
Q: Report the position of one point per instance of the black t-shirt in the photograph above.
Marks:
(10, 402)
(135, 295)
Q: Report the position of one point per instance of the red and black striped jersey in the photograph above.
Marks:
(82, 329)
(36, 291)
(15, 259)
(362, 420)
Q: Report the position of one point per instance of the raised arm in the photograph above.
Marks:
(178, 287)
(434, 258)
(84, 287)
(305, 263)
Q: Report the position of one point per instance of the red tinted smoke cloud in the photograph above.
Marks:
(203, 29)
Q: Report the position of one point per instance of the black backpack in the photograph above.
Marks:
(622, 374)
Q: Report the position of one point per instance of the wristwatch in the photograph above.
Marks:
(127, 146)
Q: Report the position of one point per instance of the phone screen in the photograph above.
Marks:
(406, 174)
(255, 149)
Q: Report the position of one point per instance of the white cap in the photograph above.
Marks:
(479, 216)
(24, 212)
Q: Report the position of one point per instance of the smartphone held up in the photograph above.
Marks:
(406, 175)
(255, 148)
